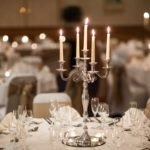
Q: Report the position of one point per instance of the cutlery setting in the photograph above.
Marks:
(33, 129)
(49, 121)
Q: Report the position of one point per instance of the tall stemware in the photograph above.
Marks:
(95, 105)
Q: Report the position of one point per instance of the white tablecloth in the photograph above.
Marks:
(41, 140)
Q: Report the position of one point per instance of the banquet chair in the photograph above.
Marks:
(21, 91)
(3, 58)
(123, 90)
(119, 93)
(41, 103)
(139, 93)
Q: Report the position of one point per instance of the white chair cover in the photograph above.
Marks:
(46, 81)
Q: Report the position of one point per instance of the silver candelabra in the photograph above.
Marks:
(87, 76)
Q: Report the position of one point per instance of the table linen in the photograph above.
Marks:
(43, 140)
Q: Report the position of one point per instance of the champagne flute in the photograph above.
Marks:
(53, 109)
(95, 105)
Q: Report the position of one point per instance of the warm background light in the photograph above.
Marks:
(42, 36)
(5, 38)
(34, 46)
(146, 15)
(25, 39)
(14, 44)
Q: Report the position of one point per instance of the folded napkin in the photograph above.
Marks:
(67, 114)
(6, 122)
(133, 114)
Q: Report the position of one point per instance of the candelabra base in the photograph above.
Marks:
(83, 141)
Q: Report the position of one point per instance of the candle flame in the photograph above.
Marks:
(93, 32)
(146, 15)
(77, 29)
(108, 29)
(86, 21)
(61, 32)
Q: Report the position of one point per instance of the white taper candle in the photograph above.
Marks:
(77, 43)
(93, 47)
(85, 34)
(108, 44)
(61, 55)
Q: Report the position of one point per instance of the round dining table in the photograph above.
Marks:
(44, 139)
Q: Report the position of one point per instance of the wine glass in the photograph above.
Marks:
(103, 110)
(53, 108)
(13, 126)
(133, 112)
(29, 116)
(95, 105)
(133, 104)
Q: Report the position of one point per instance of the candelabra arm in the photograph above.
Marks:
(103, 76)
(73, 74)
(107, 69)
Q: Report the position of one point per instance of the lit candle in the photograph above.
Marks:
(108, 44)
(77, 44)
(93, 47)
(85, 34)
(61, 56)
(146, 18)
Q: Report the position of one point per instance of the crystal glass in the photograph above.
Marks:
(53, 108)
(133, 112)
(133, 104)
(13, 126)
(95, 105)
(20, 110)
(103, 110)
(117, 136)
(29, 117)
(29, 114)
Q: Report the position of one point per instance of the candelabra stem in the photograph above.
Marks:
(85, 138)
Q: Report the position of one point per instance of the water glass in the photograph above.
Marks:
(133, 104)
(103, 110)
(95, 105)
(133, 112)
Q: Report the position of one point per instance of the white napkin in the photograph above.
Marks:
(67, 114)
(6, 122)
(133, 113)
